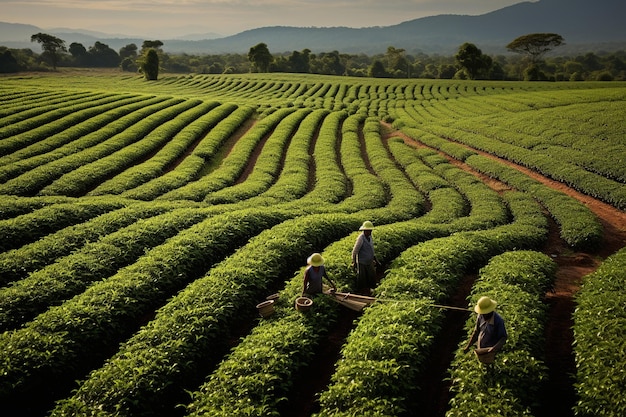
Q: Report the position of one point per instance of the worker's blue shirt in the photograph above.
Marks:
(314, 283)
(490, 331)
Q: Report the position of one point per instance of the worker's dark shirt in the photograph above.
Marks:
(490, 331)
(314, 283)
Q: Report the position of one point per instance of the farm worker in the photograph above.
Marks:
(364, 259)
(489, 332)
(313, 275)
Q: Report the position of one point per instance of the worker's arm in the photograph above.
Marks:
(356, 248)
(306, 280)
(473, 339)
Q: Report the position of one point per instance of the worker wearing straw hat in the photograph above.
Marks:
(489, 333)
(364, 259)
(313, 275)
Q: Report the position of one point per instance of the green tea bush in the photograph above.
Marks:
(599, 344)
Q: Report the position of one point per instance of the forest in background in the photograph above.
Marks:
(394, 63)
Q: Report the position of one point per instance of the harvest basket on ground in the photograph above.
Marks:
(303, 303)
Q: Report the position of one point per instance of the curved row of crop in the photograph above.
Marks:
(156, 130)
(511, 386)
(195, 129)
(94, 145)
(70, 140)
(12, 206)
(267, 166)
(72, 274)
(599, 349)
(31, 130)
(187, 182)
(27, 228)
(579, 227)
(331, 184)
(18, 107)
(293, 181)
(56, 118)
(15, 264)
(366, 187)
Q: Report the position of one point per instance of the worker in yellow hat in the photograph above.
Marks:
(364, 259)
(313, 275)
(489, 333)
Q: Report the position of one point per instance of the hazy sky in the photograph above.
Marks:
(165, 18)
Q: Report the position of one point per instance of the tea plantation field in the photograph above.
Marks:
(142, 222)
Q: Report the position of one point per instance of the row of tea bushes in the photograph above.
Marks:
(152, 369)
(267, 166)
(95, 165)
(57, 118)
(192, 136)
(15, 264)
(510, 386)
(74, 138)
(365, 186)
(330, 181)
(293, 180)
(189, 181)
(579, 227)
(590, 183)
(23, 104)
(29, 227)
(58, 345)
(89, 147)
(599, 343)
(12, 206)
(388, 348)
(404, 197)
(95, 261)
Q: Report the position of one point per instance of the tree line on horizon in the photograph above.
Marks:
(528, 63)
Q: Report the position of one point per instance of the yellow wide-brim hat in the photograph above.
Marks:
(485, 305)
(315, 260)
(367, 225)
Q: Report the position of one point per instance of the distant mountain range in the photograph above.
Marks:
(586, 25)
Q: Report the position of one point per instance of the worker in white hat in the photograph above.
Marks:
(313, 275)
(489, 333)
(364, 259)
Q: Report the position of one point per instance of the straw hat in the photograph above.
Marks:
(367, 225)
(315, 260)
(485, 305)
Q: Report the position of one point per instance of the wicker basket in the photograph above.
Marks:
(486, 358)
(303, 303)
(266, 308)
